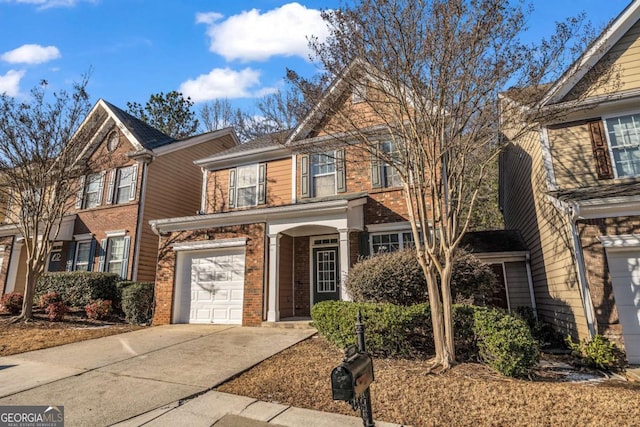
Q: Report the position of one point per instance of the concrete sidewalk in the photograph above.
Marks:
(156, 376)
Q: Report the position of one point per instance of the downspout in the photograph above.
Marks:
(294, 178)
(203, 201)
(143, 193)
(574, 214)
(531, 292)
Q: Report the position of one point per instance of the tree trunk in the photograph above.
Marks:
(29, 292)
(447, 310)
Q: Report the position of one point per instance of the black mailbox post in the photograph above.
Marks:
(350, 380)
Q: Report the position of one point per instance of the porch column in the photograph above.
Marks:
(273, 313)
(344, 263)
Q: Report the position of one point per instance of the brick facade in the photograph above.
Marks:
(597, 269)
(253, 276)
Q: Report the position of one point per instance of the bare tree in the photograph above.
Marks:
(218, 114)
(427, 76)
(38, 169)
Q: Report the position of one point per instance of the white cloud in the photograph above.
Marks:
(10, 82)
(48, 4)
(221, 83)
(31, 54)
(208, 17)
(255, 36)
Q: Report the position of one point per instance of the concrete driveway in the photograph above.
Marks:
(110, 379)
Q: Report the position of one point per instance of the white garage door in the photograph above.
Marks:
(214, 283)
(624, 267)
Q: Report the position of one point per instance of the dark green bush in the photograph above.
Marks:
(472, 281)
(544, 333)
(78, 288)
(137, 302)
(393, 277)
(505, 342)
(12, 302)
(390, 330)
(597, 352)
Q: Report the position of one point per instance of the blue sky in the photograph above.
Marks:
(235, 49)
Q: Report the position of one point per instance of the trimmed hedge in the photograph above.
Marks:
(78, 288)
(137, 302)
(502, 341)
(505, 342)
(390, 330)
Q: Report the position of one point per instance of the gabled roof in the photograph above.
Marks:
(145, 135)
(597, 50)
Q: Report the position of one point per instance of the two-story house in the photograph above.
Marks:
(136, 173)
(573, 190)
(284, 218)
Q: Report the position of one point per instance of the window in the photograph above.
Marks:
(82, 261)
(388, 173)
(125, 189)
(247, 185)
(93, 190)
(323, 174)
(623, 134)
(391, 242)
(114, 255)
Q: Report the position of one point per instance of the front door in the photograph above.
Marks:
(326, 274)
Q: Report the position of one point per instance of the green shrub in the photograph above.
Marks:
(79, 288)
(472, 280)
(393, 277)
(390, 330)
(137, 302)
(505, 342)
(12, 302)
(598, 352)
(98, 309)
(544, 333)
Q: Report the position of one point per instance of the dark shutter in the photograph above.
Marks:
(341, 178)
(262, 183)
(364, 244)
(600, 149)
(304, 176)
(232, 188)
(103, 253)
(92, 254)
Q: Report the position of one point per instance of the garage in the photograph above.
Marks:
(624, 267)
(210, 286)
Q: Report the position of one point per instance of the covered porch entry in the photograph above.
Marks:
(309, 258)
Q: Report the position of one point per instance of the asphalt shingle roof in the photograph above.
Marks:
(270, 140)
(598, 192)
(147, 135)
(493, 241)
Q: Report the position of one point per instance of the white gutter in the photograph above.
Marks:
(203, 199)
(531, 291)
(294, 178)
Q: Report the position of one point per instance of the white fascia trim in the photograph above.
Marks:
(547, 159)
(620, 242)
(243, 157)
(9, 230)
(490, 257)
(251, 216)
(85, 236)
(608, 207)
(116, 233)
(121, 126)
(195, 140)
(211, 244)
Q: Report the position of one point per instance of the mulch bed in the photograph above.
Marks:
(469, 394)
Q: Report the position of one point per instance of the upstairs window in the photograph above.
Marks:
(90, 192)
(124, 189)
(247, 185)
(623, 134)
(322, 174)
(383, 173)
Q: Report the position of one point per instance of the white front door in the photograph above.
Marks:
(215, 285)
(624, 267)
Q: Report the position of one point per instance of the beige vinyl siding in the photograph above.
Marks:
(278, 186)
(516, 276)
(573, 162)
(173, 189)
(546, 233)
(624, 59)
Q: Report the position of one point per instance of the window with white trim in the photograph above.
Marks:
(391, 242)
(93, 190)
(115, 254)
(247, 185)
(323, 174)
(388, 173)
(125, 185)
(623, 135)
(82, 260)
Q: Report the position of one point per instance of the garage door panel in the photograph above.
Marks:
(632, 346)
(214, 280)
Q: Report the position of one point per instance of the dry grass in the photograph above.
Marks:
(40, 333)
(467, 395)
